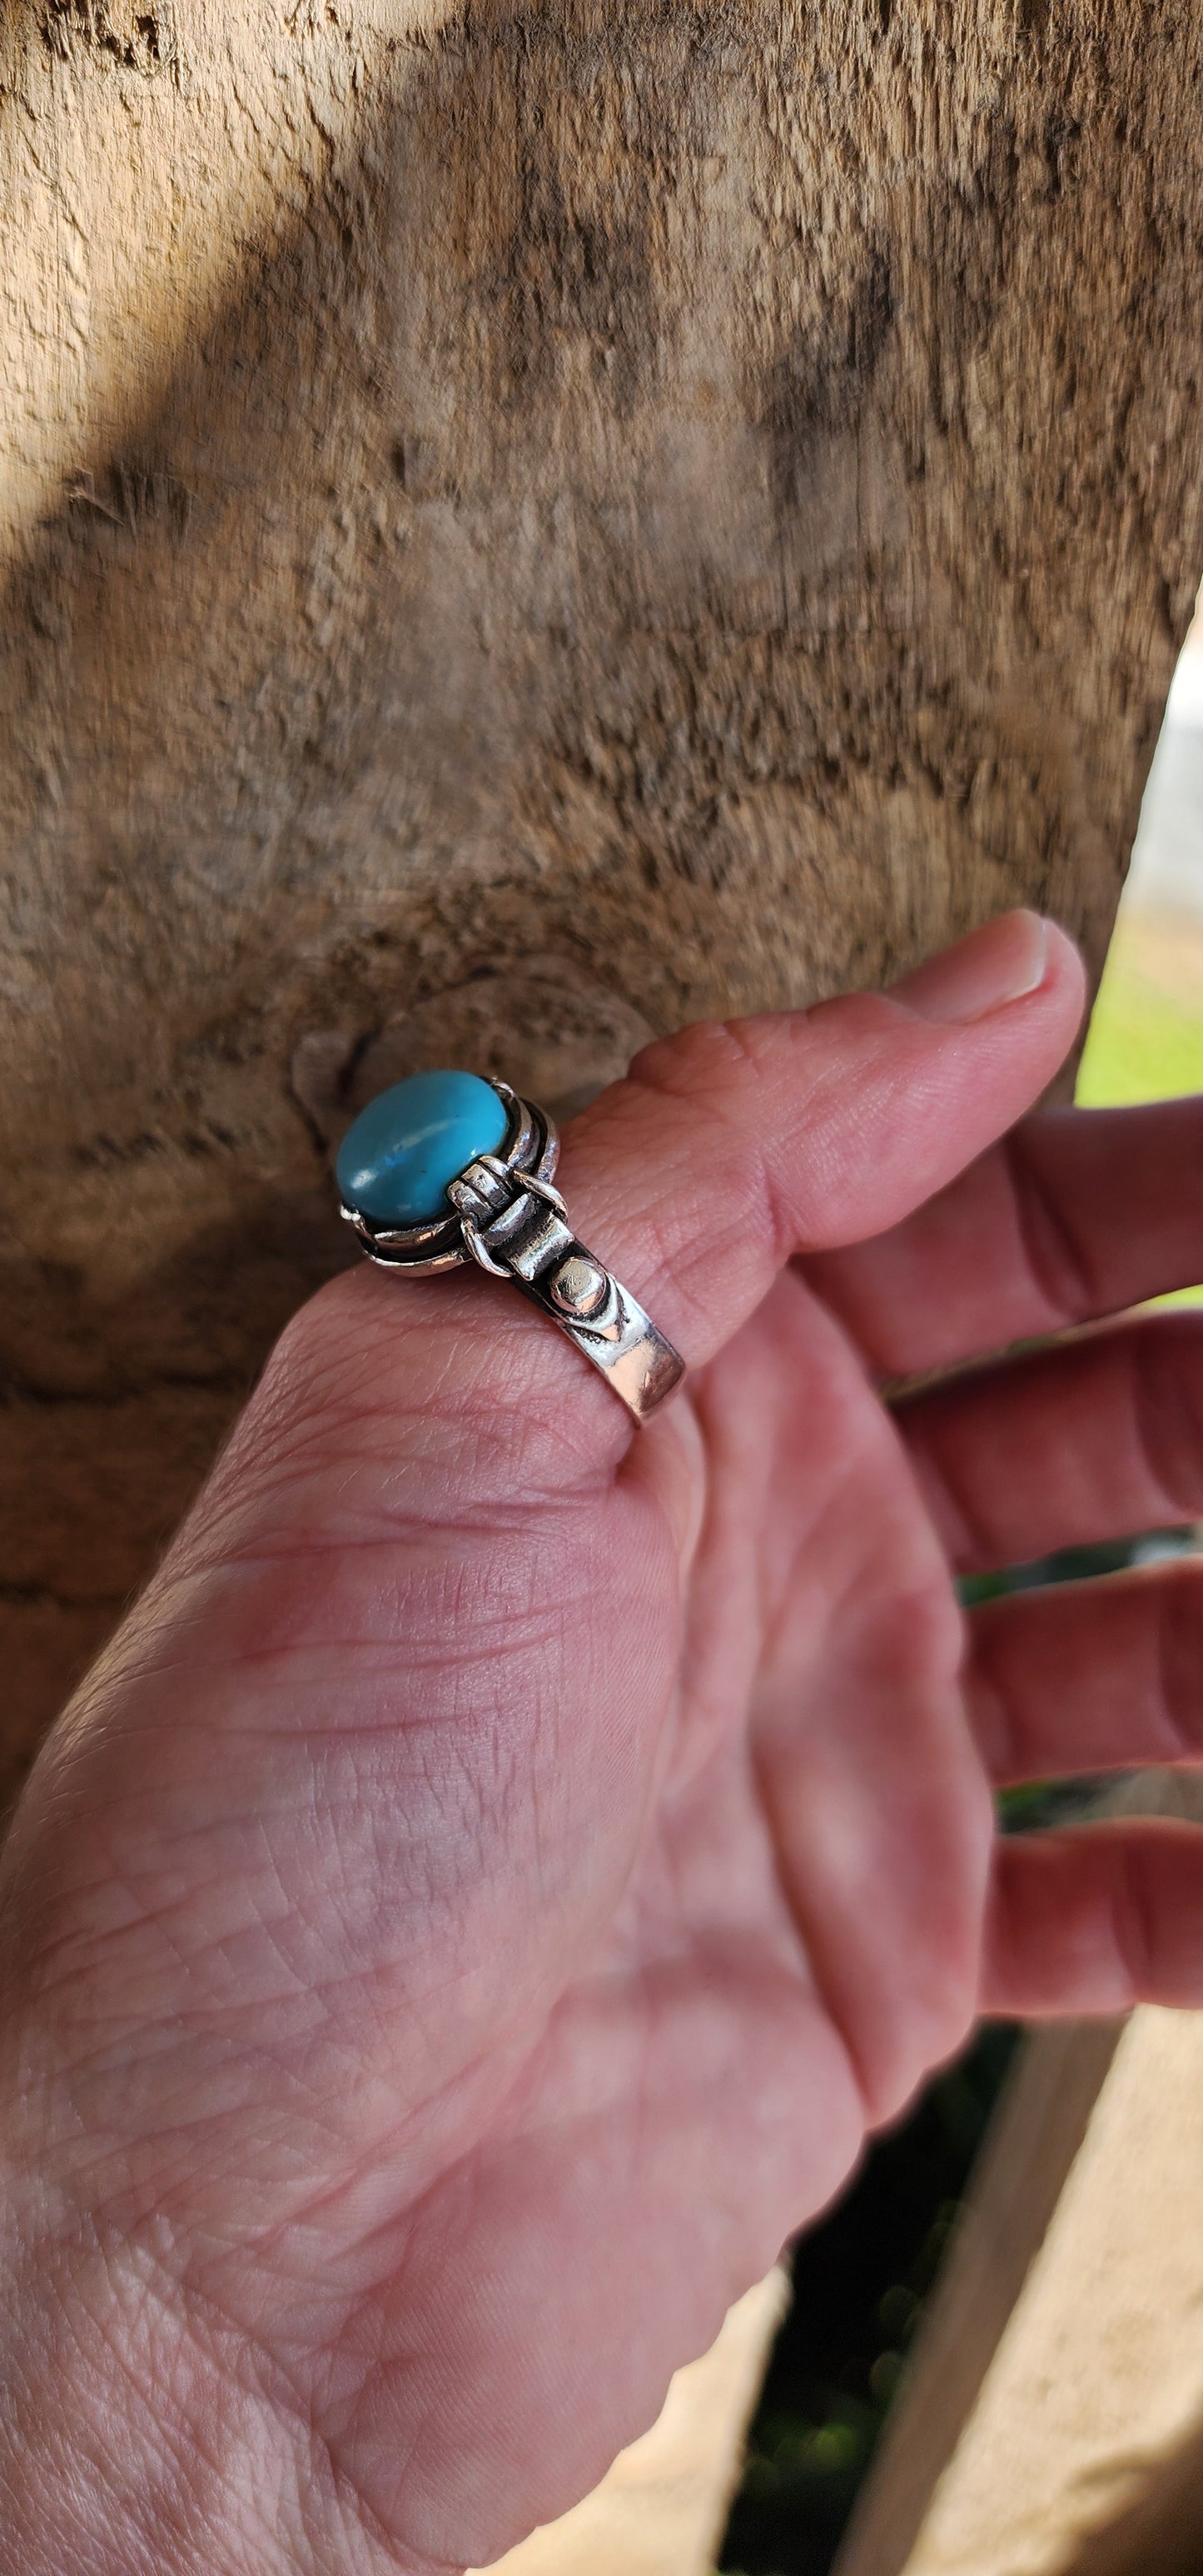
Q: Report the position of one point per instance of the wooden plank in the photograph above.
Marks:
(1032, 2143)
(1086, 2432)
(1051, 2395)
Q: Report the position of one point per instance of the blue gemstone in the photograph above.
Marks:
(395, 1162)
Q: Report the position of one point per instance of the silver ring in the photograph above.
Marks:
(505, 1215)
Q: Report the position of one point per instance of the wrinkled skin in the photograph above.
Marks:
(507, 1862)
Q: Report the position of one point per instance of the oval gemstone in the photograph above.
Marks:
(394, 1163)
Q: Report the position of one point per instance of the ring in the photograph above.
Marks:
(446, 1168)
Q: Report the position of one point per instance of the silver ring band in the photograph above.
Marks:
(507, 1217)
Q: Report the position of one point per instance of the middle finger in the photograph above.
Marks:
(1064, 1447)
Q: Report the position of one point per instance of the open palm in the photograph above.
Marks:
(507, 1862)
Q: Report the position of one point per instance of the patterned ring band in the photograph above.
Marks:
(445, 1168)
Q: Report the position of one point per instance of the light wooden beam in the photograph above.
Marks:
(1052, 2420)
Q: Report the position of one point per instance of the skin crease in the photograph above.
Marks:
(507, 1862)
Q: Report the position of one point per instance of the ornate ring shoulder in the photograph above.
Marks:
(506, 1215)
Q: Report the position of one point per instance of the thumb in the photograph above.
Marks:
(725, 1151)
(734, 1146)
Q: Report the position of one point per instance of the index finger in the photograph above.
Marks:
(1076, 1214)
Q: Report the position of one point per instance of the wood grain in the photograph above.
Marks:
(703, 489)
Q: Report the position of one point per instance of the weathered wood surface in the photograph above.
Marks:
(1051, 2420)
(709, 490)
(1032, 2144)
(1083, 2454)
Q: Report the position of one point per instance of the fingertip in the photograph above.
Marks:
(1017, 957)
(1065, 976)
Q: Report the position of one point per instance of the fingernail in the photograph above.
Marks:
(993, 966)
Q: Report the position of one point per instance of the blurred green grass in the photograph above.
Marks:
(1145, 1040)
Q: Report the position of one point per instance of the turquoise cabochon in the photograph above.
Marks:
(396, 1160)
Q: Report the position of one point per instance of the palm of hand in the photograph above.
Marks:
(550, 1876)
(556, 1854)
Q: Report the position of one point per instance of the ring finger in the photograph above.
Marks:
(1084, 1677)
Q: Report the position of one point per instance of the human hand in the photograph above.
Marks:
(506, 1862)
